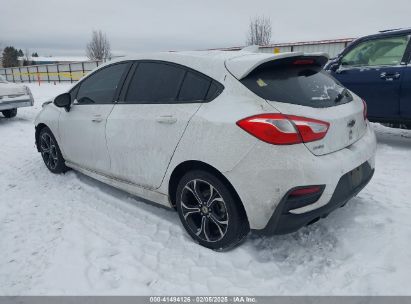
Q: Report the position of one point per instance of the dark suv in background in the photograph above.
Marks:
(377, 68)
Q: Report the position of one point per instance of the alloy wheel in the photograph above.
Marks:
(204, 210)
(48, 151)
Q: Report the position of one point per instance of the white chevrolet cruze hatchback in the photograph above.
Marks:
(232, 140)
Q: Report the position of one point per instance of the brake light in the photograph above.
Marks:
(304, 62)
(279, 129)
(365, 109)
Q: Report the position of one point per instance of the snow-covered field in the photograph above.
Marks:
(69, 234)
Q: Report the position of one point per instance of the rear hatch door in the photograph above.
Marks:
(296, 84)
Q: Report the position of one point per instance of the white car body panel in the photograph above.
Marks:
(278, 170)
(142, 153)
(82, 136)
(206, 136)
(146, 134)
(14, 95)
(339, 135)
(50, 116)
(148, 194)
(9, 88)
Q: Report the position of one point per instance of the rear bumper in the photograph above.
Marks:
(266, 174)
(283, 222)
(15, 103)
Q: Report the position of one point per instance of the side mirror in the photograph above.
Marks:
(63, 101)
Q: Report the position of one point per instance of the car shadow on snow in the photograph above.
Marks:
(320, 245)
(311, 242)
(120, 196)
(4, 120)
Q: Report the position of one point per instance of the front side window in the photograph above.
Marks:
(155, 83)
(377, 52)
(101, 87)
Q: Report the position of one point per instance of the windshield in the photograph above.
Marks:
(307, 85)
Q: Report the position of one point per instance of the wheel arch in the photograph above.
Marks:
(192, 165)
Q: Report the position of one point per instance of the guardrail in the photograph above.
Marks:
(52, 73)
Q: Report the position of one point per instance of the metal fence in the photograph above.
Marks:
(53, 73)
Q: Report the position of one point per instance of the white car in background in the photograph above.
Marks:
(232, 140)
(13, 96)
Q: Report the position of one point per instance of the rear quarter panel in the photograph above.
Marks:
(212, 135)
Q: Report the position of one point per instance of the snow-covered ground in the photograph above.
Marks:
(69, 234)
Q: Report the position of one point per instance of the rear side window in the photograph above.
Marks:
(155, 83)
(194, 88)
(100, 87)
(300, 84)
(214, 90)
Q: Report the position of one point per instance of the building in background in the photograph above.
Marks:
(331, 47)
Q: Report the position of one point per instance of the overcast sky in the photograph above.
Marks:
(54, 27)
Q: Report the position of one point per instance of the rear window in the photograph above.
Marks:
(300, 84)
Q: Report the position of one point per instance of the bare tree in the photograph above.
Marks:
(259, 31)
(99, 46)
(26, 58)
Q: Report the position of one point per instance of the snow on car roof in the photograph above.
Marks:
(216, 63)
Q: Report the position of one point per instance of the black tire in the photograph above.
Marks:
(9, 113)
(215, 221)
(50, 152)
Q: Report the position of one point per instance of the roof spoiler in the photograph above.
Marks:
(240, 67)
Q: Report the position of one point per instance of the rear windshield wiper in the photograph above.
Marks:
(341, 95)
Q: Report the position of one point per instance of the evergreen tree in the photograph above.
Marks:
(10, 57)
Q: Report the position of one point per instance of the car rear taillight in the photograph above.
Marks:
(310, 129)
(279, 129)
(365, 109)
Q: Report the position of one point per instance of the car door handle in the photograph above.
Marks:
(390, 76)
(166, 119)
(97, 118)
